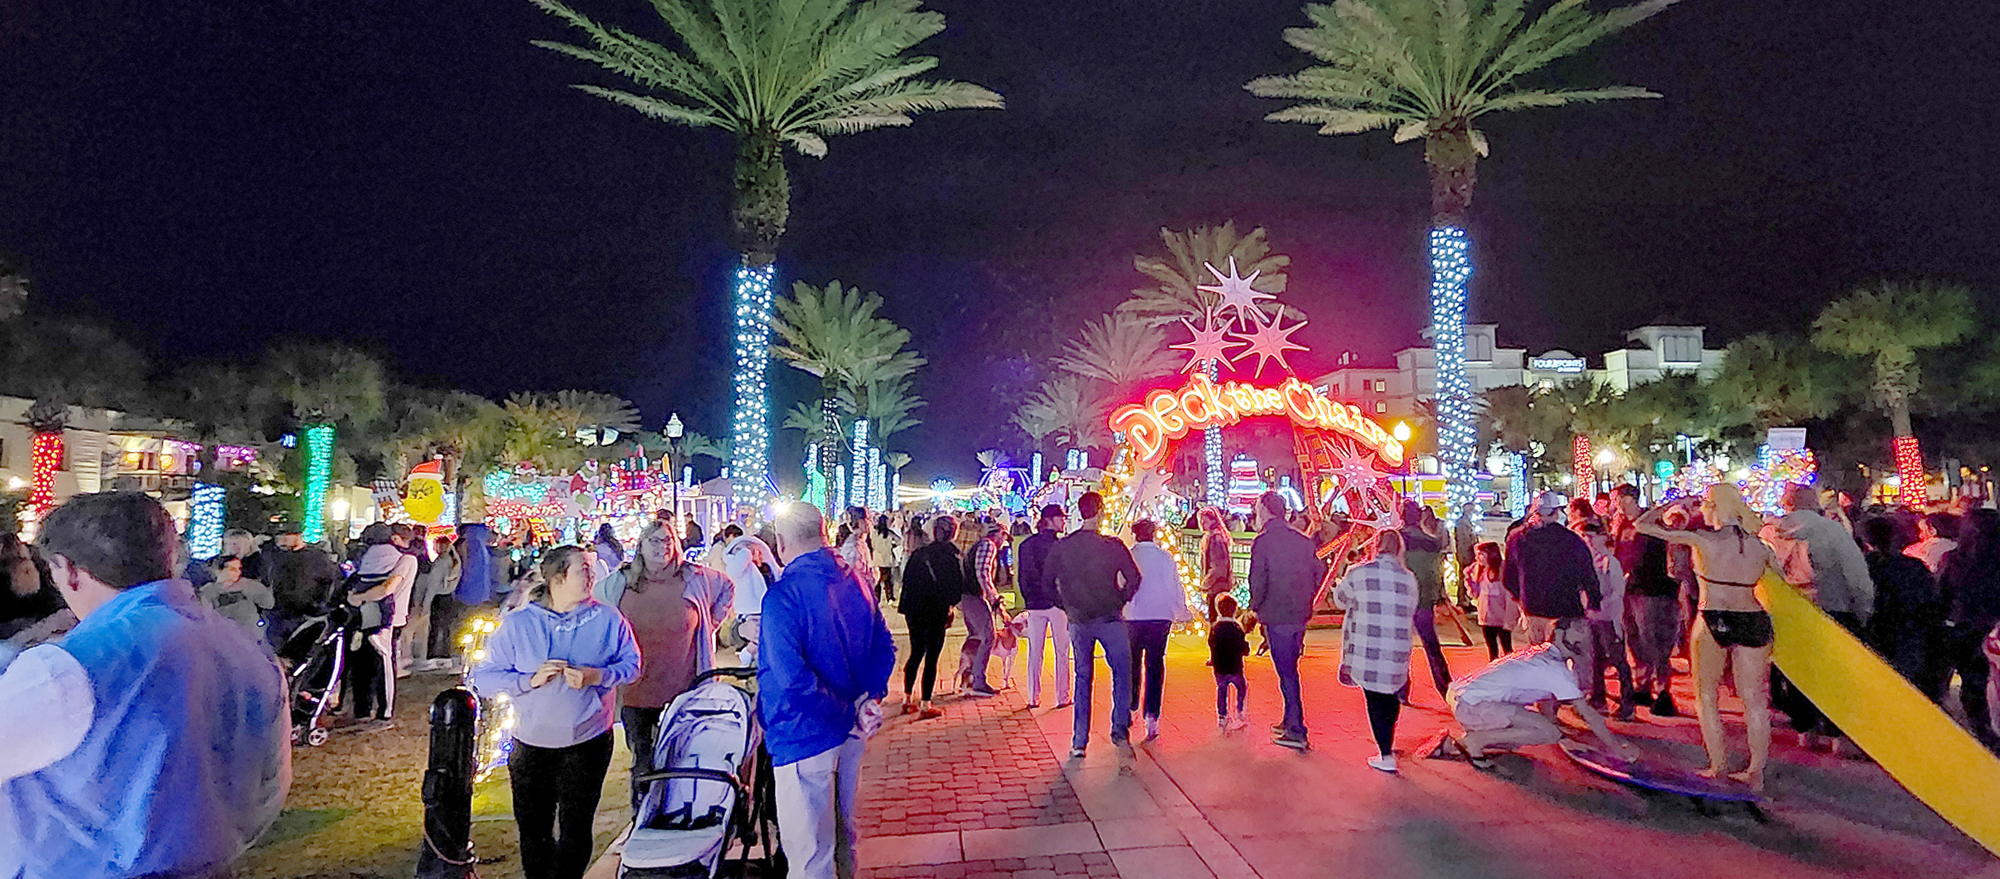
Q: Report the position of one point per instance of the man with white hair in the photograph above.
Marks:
(1511, 703)
(822, 669)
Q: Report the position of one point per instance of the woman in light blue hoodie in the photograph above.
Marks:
(560, 658)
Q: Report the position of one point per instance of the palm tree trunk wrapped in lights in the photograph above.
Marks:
(775, 75)
(1428, 68)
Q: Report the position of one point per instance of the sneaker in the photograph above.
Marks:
(1034, 703)
(1384, 762)
(1076, 753)
(1664, 706)
(1237, 721)
(976, 693)
(1222, 723)
(1065, 703)
(1124, 748)
(1296, 743)
(930, 713)
(1152, 727)
(909, 707)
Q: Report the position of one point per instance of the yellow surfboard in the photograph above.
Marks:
(1914, 740)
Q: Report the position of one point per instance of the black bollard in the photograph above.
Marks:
(447, 849)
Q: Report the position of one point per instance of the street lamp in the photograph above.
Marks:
(674, 431)
(1402, 434)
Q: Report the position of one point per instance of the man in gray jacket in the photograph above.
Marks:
(1840, 586)
(1285, 574)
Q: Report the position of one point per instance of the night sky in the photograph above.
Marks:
(415, 178)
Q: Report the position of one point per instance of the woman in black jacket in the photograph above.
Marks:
(932, 585)
(1970, 583)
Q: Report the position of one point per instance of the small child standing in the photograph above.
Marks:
(1227, 645)
(1494, 606)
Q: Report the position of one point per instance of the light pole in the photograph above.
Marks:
(674, 431)
(1402, 434)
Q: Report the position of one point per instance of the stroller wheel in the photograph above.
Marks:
(318, 736)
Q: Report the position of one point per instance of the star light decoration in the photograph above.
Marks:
(1353, 471)
(1210, 344)
(1269, 342)
(1235, 291)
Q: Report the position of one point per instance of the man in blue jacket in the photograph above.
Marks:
(823, 666)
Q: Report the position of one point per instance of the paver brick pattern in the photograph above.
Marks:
(984, 765)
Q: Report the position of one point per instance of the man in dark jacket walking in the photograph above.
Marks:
(1095, 576)
(1285, 573)
(1044, 611)
(822, 669)
(1549, 570)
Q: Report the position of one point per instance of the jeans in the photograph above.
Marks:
(1425, 623)
(1117, 641)
(642, 732)
(1149, 649)
(978, 639)
(1608, 651)
(1222, 684)
(1288, 643)
(1383, 709)
(555, 802)
(926, 642)
(1055, 624)
(1655, 624)
(816, 811)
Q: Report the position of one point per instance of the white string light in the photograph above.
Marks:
(1451, 268)
(750, 430)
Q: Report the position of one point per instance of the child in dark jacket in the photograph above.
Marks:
(1227, 645)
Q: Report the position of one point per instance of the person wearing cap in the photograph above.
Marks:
(1044, 613)
(1549, 570)
(1511, 703)
(302, 577)
(1285, 573)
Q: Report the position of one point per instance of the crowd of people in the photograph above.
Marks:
(105, 610)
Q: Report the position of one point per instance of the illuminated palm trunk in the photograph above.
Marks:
(45, 453)
(1211, 453)
(319, 475)
(1452, 161)
(1580, 467)
(757, 221)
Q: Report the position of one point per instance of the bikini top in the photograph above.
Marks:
(1727, 582)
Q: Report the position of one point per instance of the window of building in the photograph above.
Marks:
(1381, 406)
(1479, 347)
(1680, 349)
(1381, 386)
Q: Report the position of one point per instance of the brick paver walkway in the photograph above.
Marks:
(982, 766)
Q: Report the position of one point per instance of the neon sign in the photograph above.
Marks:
(1168, 414)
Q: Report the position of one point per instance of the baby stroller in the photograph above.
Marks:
(314, 656)
(711, 787)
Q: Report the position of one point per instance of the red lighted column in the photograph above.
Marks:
(1909, 471)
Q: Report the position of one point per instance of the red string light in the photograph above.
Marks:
(1579, 465)
(44, 456)
(1909, 470)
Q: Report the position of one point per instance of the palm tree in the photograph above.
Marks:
(1120, 350)
(1069, 403)
(1890, 323)
(886, 405)
(1178, 277)
(1037, 423)
(772, 74)
(895, 461)
(837, 335)
(1428, 68)
(1768, 381)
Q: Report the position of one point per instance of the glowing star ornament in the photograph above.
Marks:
(1210, 344)
(1235, 291)
(1353, 471)
(1269, 342)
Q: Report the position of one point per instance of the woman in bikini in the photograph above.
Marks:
(1733, 626)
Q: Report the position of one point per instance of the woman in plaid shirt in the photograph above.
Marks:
(1380, 598)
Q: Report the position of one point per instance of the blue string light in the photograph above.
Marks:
(1451, 268)
(750, 430)
(1211, 450)
(861, 471)
(205, 515)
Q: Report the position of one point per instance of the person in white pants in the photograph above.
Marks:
(1044, 607)
(822, 669)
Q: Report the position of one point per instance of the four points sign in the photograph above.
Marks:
(1168, 414)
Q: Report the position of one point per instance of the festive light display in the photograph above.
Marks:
(1268, 342)
(319, 474)
(493, 727)
(1451, 268)
(1168, 414)
(1035, 472)
(750, 429)
(1764, 486)
(1210, 344)
(1245, 486)
(1211, 459)
(1580, 468)
(840, 487)
(205, 517)
(861, 471)
(45, 453)
(1078, 459)
(1517, 498)
(1909, 470)
(1235, 291)
(878, 480)
(815, 480)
